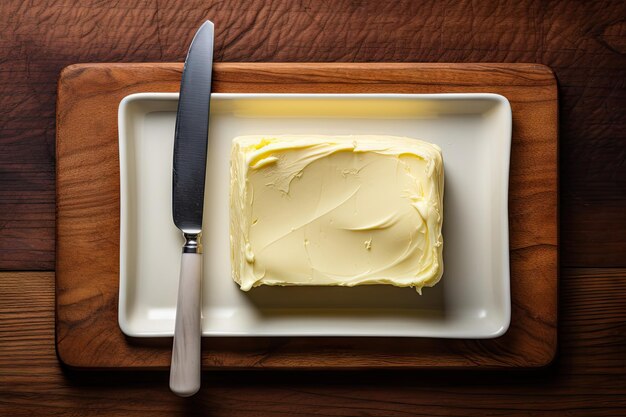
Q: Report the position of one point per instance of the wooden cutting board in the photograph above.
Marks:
(87, 265)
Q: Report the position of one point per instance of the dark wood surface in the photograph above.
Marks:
(586, 379)
(88, 221)
(583, 42)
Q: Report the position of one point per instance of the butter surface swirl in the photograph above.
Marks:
(336, 210)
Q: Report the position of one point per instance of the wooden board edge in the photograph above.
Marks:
(76, 70)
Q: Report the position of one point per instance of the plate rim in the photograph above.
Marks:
(505, 319)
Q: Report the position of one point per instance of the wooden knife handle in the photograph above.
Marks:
(186, 359)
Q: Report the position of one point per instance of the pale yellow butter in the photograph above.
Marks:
(336, 210)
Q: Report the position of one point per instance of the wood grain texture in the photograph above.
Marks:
(583, 42)
(587, 378)
(88, 215)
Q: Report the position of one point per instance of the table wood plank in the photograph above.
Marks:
(586, 379)
(582, 41)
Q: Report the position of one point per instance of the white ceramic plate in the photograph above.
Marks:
(471, 301)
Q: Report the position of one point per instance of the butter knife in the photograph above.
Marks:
(190, 153)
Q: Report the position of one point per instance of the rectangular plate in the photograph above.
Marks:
(471, 301)
(88, 223)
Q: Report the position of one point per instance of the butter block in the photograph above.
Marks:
(336, 210)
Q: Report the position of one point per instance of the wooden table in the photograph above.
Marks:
(584, 42)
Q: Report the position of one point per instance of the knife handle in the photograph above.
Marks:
(186, 359)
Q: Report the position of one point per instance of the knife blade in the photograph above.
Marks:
(188, 174)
